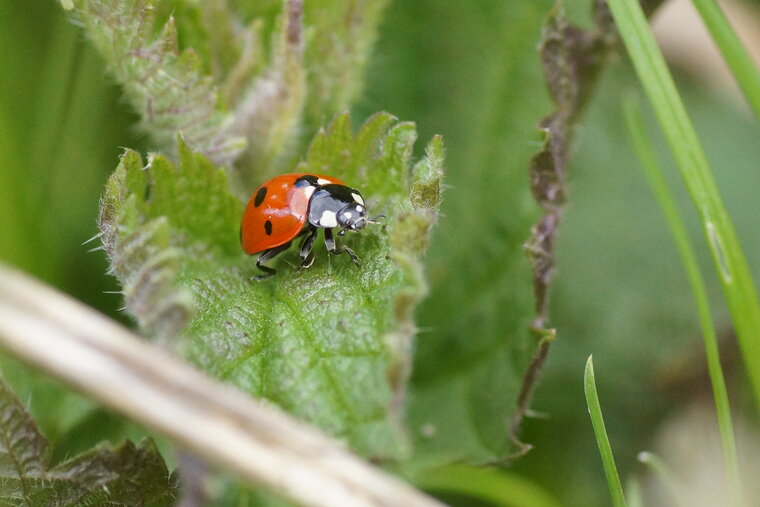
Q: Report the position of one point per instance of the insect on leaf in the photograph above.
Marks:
(331, 343)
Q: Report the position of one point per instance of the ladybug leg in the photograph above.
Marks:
(335, 250)
(307, 257)
(265, 256)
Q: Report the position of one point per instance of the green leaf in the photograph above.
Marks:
(476, 371)
(342, 34)
(487, 484)
(474, 344)
(331, 344)
(123, 475)
(233, 79)
(167, 87)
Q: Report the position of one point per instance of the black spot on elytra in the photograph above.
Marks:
(262, 192)
(268, 227)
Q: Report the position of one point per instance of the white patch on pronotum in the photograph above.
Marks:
(308, 191)
(359, 208)
(357, 198)
(328, 219)
(323, 181)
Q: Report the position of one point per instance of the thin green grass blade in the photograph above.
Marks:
(608, 460)
(730, 262)
(648, 159)
(742, 67)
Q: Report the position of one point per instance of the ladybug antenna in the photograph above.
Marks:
(375, 220)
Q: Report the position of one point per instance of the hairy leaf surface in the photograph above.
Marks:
(168, 88)
(234, 79)
(330, 344)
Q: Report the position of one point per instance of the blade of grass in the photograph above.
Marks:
(608, 460)
(648, 159)
(731, 264)
(742, 67)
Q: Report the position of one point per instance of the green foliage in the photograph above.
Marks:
(331, 344)
(340, 37)
(620, 291)
(489, 485)
(470, 70)
(233, 79)
(474, 345)
(167, 87)
(728, 255)
(65, 124)
(688, 255)
(476, 369)
(123, 475)
(218, 72)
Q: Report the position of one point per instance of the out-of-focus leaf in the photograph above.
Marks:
(65, 127)
(233, 80)
(475, 344)
(341, 36)
(123, 475)
(331, 344)
(487, 485)
(168, 88)
(572, 59)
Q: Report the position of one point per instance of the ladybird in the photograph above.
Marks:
(299, 204)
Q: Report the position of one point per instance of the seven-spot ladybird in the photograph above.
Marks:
(299, 204)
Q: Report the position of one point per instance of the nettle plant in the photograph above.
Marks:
(233, 93)
(330, 344)
(230, 97)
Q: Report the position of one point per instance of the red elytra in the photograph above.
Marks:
(277, 211)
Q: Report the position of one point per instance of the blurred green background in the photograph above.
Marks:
(470, 71)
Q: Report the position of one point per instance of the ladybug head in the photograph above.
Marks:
(352, 217)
